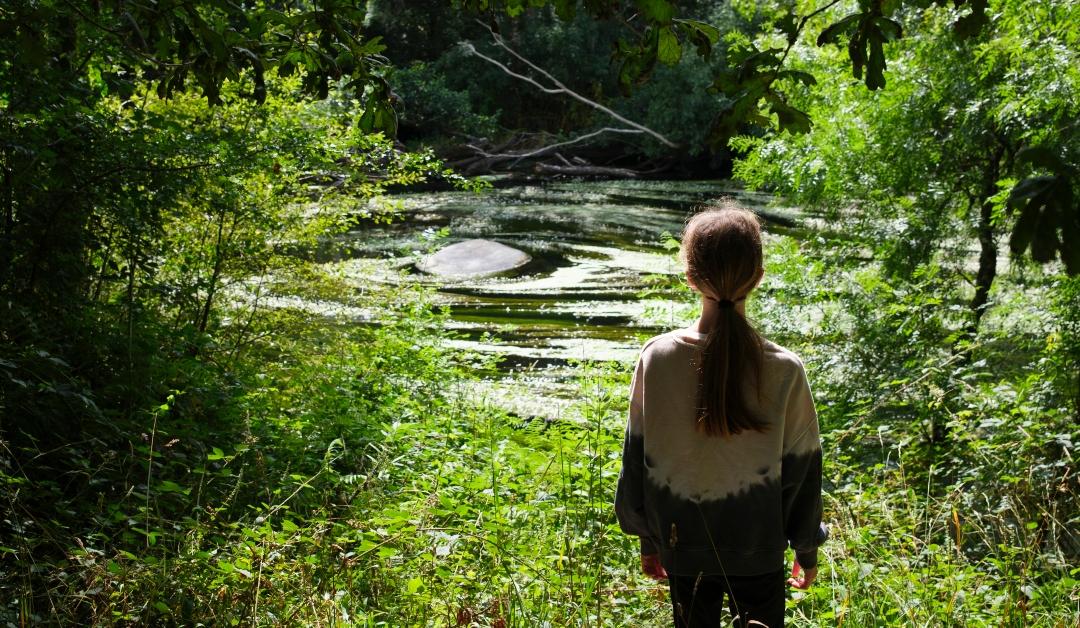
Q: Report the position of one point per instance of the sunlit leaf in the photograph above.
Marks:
(668, 50)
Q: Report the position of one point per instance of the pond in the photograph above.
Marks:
(597, 286)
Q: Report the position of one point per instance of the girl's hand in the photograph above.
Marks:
(650, 564)
(804, 580)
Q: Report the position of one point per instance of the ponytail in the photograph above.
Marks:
(730, 364)
(721, 250)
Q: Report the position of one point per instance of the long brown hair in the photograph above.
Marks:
(721, 251)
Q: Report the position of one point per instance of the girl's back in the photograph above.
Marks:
(722, 456)
(720, 505)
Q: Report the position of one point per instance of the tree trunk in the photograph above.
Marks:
(133, 262)
(988, 250)
(7, 239)
(99, 281)
(984, 280)
(219, 254)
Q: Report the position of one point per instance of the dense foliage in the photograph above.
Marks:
(973, 360)
(944, 146)
(98, 172)
(201, 424)
(444, 91)
(951, 489)
(700, 80)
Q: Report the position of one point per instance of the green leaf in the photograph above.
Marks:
(759, 59)
(875, 65)
(725, 81)
(857, 54)
(1041, 157)
(168, 486)
(789, 26)
(733, 115)
(702, 35)
(372, 46)
(832, 32)
(658, 11)
(890, 29)
(888, 7)
(799, 77)
(791, 119)
(708, 30)
(668, 50)
(565, 9)
(1048, 220)
(1045, 244)
(1029, 188)
(1024, 229)
(638, 61)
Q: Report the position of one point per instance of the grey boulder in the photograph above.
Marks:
(474, 258)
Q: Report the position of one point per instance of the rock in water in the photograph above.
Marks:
(474, 258)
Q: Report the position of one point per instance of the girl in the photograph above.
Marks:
(722, 458)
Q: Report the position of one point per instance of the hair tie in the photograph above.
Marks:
(723, 302)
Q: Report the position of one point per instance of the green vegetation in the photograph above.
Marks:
(210, 414)
(952, 498)
(447, 93)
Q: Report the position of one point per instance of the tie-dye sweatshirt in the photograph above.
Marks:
(715, 505)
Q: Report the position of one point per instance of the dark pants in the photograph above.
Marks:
(698, 600)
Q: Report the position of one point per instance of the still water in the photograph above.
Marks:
(600, 281)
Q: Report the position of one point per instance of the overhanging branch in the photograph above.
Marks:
(557, 86)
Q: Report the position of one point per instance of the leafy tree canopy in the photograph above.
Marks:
(756, 86)
(975, 137)
(204, 42)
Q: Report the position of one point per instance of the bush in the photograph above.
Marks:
(430, 108)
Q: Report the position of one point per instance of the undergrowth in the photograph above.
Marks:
(337, 473)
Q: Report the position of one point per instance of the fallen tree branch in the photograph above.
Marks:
(548, 159)
(581, 138)
(486, 158)
(517, 157)
(559, 88)
(587, 171)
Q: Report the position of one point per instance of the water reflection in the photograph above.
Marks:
(597, 249)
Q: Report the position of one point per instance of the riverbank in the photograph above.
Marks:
(334, 473)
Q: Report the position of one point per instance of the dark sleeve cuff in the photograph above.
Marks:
(807, 560)
(648, 547)
(822, 534)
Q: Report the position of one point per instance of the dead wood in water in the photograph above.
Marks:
(586, 171)
(527, 153)
(537, 152)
